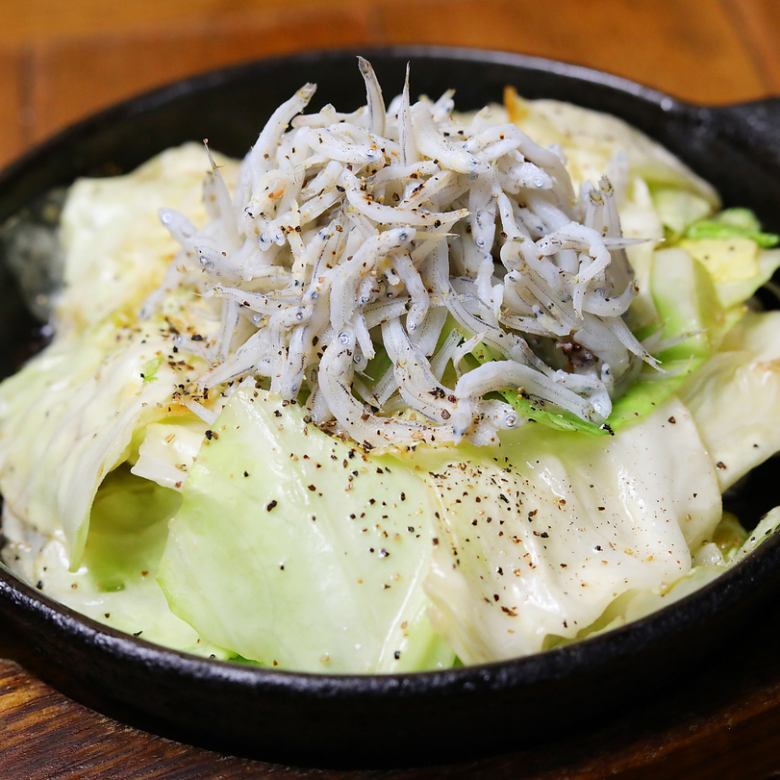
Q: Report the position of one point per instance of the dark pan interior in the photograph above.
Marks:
(392, 719)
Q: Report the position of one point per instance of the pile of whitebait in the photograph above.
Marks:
(425, 234)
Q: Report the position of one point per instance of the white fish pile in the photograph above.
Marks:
(376, 230)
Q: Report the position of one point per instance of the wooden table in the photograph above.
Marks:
(61, 59)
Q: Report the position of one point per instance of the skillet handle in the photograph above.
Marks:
(755, 126)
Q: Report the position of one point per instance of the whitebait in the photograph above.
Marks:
(360, 236)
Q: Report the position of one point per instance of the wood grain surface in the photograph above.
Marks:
(60, 60)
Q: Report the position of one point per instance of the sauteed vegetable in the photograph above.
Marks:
(402, 389)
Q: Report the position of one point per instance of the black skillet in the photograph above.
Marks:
(411, 717)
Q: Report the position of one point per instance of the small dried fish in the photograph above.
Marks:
(371, 232)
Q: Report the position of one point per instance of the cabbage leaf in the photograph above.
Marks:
(539, 539)
(116, 249)
(67, 419)
(293, 548)
(115, 583)
(735, 397)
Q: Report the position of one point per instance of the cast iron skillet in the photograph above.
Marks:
(397, 718)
